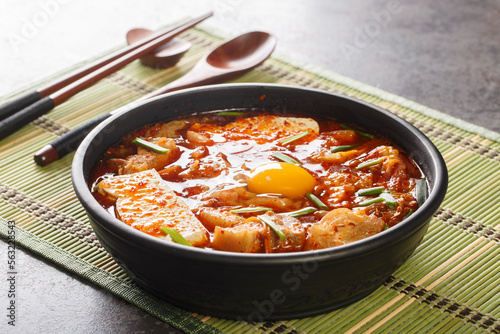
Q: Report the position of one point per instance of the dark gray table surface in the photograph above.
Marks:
(444, 55)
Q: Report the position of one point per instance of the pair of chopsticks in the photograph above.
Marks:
(21, 111)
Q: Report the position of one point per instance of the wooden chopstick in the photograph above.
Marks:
(63, 91)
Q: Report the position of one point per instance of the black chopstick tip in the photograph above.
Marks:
(46, 155)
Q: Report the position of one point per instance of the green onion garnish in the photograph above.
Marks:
(370, 191)
(251, 209)
(421, 191)
(390, 201)
(272, 225)
(372, 201)
(293, 138)
(285, 158)
(385, 197)
(386, 227)
(408, 214)
(151, 146)
(364, 134)
(340, 148)
(301, 212)
(316, 201)
(229, 113)
(369, 163)
(176, 236)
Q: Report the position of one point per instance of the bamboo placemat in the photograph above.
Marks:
(450, 284)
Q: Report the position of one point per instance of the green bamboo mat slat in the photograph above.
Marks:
(449, 285)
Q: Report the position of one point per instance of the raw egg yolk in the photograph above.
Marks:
(281, 178)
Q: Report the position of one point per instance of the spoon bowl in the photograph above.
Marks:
(243, 51)
(166, 55)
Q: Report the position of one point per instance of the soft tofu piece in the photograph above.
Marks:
(293, 230)
(241, 238)
(342, 226)
(145, 202)
(254, 236)
(146, 159)
(222, 217)
(264, 127)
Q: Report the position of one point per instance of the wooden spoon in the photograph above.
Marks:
(165, 56)
(227, 61)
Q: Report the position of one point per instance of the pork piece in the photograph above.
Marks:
(338, 157)
(293, 230)
(342, 226)
(170, 129)
(222, 217)
(198, 139)
(240, 238)
(241, 196)
(204, 167)
(146, 159)
(341, 137)
(260, 128)
(339, 186)
(145, 202)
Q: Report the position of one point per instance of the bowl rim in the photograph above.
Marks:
(381, 240)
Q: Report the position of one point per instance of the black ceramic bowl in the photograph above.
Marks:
(254, 287)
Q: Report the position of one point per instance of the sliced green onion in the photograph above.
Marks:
(364, 134)
(408, 214)
(421, 191)
(369, 163)
(372, 201)
(370, 191)
(386, 227)
(229, 113)
(288, 140)
(316, 201)
(176, 236)
(301, 212)
(251, 209)
(385, 197)
(151, 146)
(340, 148)
(390, 201)
(272, 225)
(285, 158)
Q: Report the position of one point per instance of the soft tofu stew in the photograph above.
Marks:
(257, 182)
